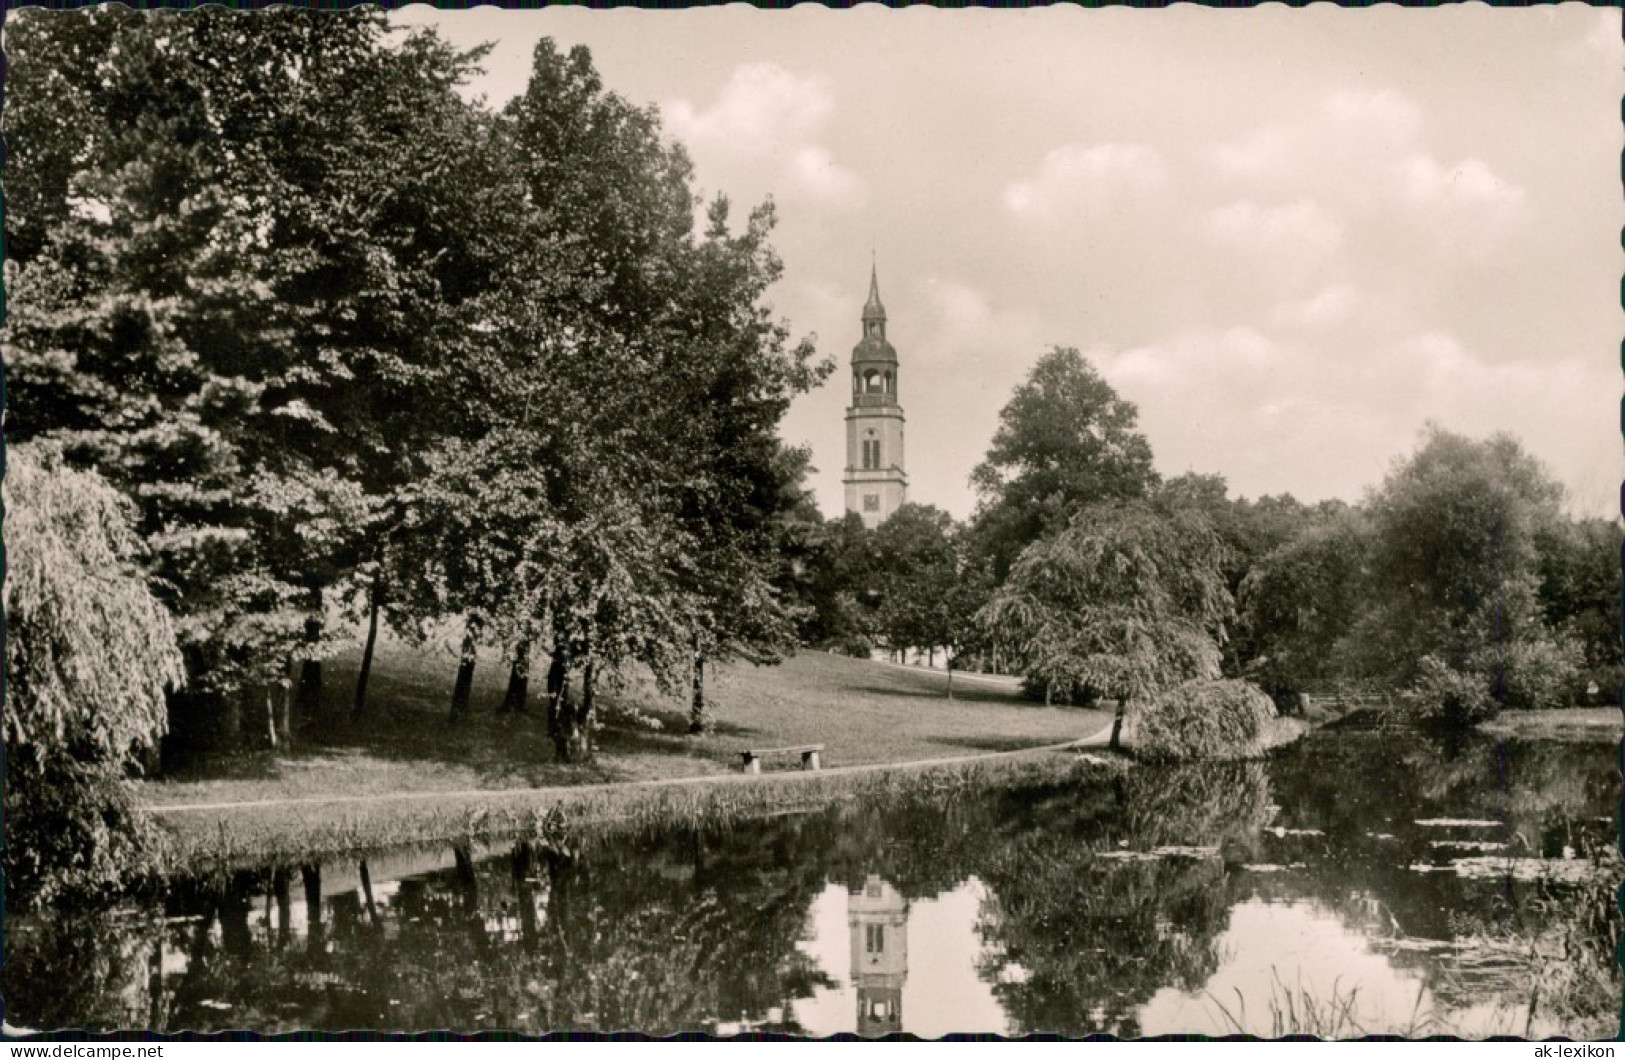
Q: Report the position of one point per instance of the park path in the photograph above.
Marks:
(1098, 739)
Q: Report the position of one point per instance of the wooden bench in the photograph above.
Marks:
(752, 760)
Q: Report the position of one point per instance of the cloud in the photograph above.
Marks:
(814, 172)
(1265, 152)
(960, 307)
(1319, 414)
(1290, 236)
(1331, 306)
(1338, 138)
(1374, 116)
(966, 324)
(1076, 177)
(1363, 156)
(1468, 183)
(762, 107)
(763, 131)
(1195, 359)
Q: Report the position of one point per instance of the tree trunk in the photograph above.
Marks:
(930, 658)
(1047, 696)
(948, 661)
(524, 888)
(574, 740)
(513, 702)
(156, 1017)
(310, 673)
(310, 688)
(313, 904)
(565, 748)
(585, 713)
(702, 864)
(1117, 725)
(464, 687)
(699, 714)
(562, 880)
(374, 605)
(282, 721)
(235, 936)
(202, 941)
(522, 860)
(366, 893)
(558, 686)
(284, 906)
(270, 717)
(468, 885)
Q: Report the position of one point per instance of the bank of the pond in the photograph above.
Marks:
(242, 836)
(406, 775)
(210, 837)
(1583, 724)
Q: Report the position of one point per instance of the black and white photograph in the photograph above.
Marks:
(885, 522)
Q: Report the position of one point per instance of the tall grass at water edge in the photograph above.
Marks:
(1298, 1011)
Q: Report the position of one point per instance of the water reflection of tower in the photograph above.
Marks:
(878, 917)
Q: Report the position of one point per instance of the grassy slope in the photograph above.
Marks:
(406, 774)
(863, 712)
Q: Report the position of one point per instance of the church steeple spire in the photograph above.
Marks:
(874, 313)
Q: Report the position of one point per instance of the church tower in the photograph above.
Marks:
(875, 483)
(877, 917)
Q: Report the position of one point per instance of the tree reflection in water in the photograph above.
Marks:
(1090, 922)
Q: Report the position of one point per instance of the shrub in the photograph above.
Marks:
(1202, 719)
(1445, 696)
(1542, 674)
(74, 831)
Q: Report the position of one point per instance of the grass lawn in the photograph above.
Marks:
(862, 711)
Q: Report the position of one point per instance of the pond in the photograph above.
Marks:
(1358, 882)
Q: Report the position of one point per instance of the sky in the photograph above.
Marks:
(1292, 238)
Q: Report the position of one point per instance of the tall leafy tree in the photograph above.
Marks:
(1299, 603)
(1455, 571)
(1250, 529)
(227, 291)
(1065, 439)
(617, 492)
(736, 481)
(839, 586)
(918, 565)
(1580, 591)
(930, 586)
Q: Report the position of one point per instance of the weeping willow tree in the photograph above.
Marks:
(90, 654)
(1125, 602)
